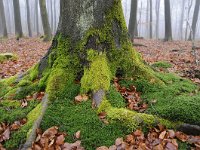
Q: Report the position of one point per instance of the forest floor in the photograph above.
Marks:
(174, 56)
(178, 53)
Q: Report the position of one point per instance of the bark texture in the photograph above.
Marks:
(168, 26)
(3, 19)
(45, 21)
(17, 16)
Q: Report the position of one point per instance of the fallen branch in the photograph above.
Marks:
(138, 44)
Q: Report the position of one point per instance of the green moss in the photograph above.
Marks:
(98, 76)
(11, 111)
(19, 137)
(7, 56)
(34, 73)
(132, 119)
(10, 103)
(115, 98)
(177, 100)
(24, 83)
(162, 64)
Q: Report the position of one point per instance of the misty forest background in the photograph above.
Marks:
(150, 17)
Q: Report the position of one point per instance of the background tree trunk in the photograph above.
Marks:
(17, 14)
(182, 20)
(45, 21)
(28, 19)
(151, 20)
(157, 18)
(3, 19)
(168, 26)
(36, 18)
(133, 19)
(194, 20)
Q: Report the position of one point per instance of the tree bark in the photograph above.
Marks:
(3, 19)
(168, 26)
(45, 21)
(17, 16)
(133, 19)
(28, 19)
(194, 20)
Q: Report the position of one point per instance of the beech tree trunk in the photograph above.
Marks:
(133, 19)
(28, 19)
(3, 19)
(168, 26)
(45, 21)
(194, 21)
(17, 16)
(95, 28)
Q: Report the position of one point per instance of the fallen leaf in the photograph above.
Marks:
(102, 148)
(78, 134)
(60, 140)
(162, 135)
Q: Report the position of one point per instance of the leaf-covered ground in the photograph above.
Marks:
(28, 51)
(178, 53)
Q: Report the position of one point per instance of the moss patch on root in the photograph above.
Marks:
(98, 76)
(177, 100)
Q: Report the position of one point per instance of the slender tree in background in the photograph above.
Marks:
(168, 26)
(51, 14)
(17, 16)
(37, 17)
(147, 19)
(28, 18)
(189, 7)
(45, 21)
(3, 19)
(54, 16)
(157, 18)
(151, 20)
(182, 20)
(133, 19)
(194, 20)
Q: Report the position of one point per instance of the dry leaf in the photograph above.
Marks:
(78, 134)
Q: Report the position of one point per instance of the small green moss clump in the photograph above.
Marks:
(162, 64)
(7, 56)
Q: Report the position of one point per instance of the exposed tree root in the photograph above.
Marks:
(31, 137)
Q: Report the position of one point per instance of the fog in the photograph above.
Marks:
(178, 19)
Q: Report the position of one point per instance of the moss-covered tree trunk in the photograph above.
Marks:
(91, 45)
